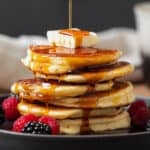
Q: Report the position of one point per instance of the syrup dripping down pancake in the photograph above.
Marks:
(59, 60)
(121, 94)
(96, 125)
(92, 75)
(39, 89)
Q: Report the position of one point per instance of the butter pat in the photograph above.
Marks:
(72, 38)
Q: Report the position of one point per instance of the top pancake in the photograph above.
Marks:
(60, 60)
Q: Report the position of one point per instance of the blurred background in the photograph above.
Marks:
(37, 16)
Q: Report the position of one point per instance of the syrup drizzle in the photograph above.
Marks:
(85, 125)
(77, 35)
(70, 14)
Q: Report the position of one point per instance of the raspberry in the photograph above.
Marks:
(141, 117)
(21, 121)
(52, 122)
(135, 106)
(9, 106)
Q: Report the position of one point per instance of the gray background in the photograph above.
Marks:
(36, 16)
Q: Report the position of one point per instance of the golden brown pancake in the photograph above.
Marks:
(39, 110)
(105, 73)
(59, 60)
(39, 89)
(121, 94)
(97, 125)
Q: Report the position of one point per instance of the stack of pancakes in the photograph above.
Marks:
(76, 85)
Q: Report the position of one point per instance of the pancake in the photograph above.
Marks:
(105, 73)
(25, 107)
(97, 125)
(40, 89)
(121, 94)
(59, 60)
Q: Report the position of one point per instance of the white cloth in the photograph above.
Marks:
(123, 39)
(13, 49)
(11, 52)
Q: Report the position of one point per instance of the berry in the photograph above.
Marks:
(9, 106)
(35, 127)
(2, 117)
(21, 121)
(52, 122)
(141, 117)
(135, 106)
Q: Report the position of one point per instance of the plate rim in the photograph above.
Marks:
(12, 133)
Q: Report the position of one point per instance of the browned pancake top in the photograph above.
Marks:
(89, 99)
(40, 81)
(101, 68)
(70, 52)
(92, 100)
(37, 81)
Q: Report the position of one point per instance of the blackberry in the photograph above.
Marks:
(2, 117)
(35, 127)
(148, 126)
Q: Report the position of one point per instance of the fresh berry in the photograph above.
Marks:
(9, 106)
(21, 121)
(52, 122)
(135, 106)
(2, 117)
(141, 117)
(35, 127)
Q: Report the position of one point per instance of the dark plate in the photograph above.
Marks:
(118, 140)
